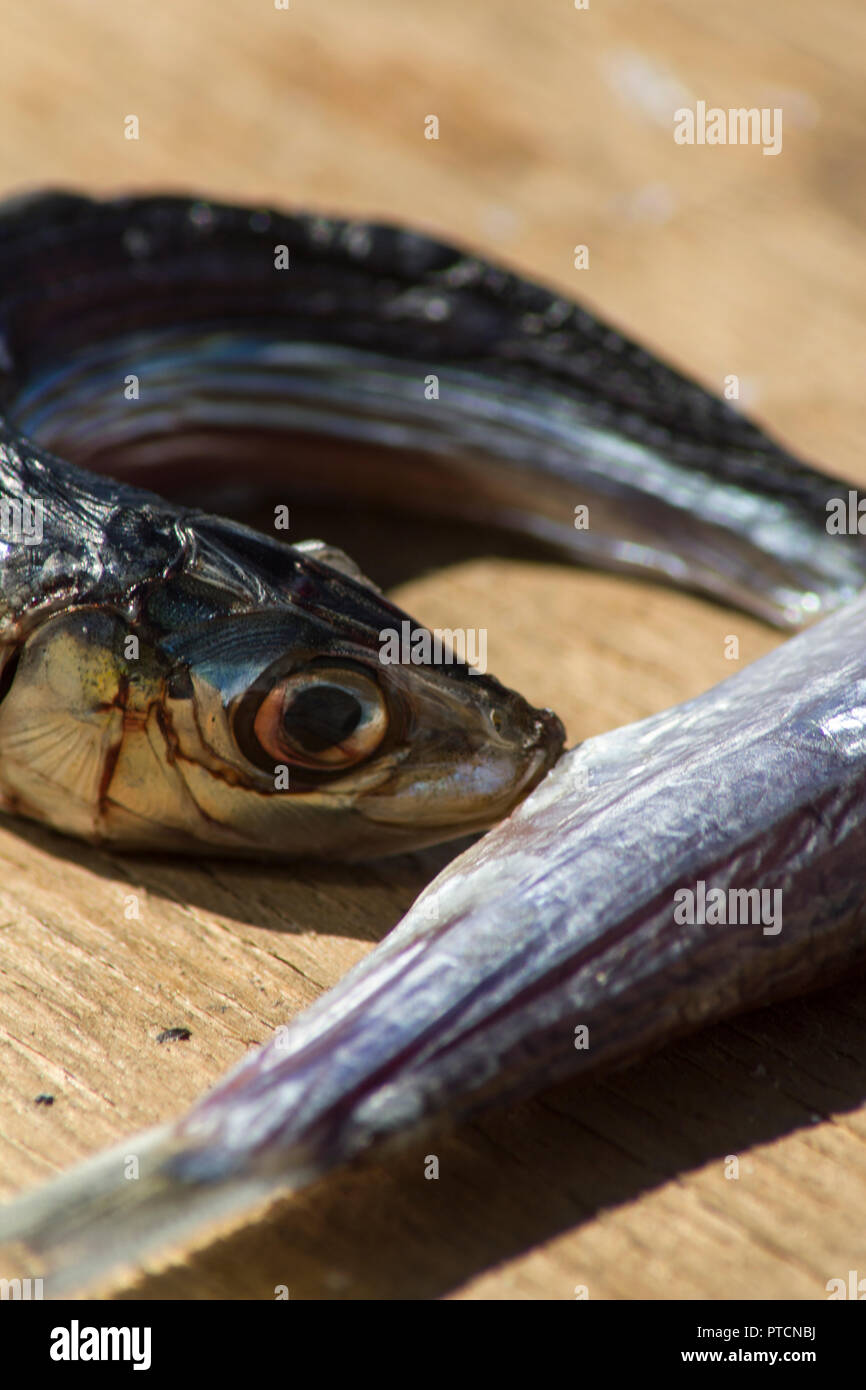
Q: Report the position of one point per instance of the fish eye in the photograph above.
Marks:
(323, 717)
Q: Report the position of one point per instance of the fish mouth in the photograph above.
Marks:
(483, 786)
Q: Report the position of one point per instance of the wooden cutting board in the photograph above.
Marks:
(555, 130)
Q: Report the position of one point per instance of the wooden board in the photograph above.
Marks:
(555, 130)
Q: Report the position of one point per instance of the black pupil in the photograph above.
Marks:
(317, 719)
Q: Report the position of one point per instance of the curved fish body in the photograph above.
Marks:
(183, 344)
(663, 876)
(400, 370)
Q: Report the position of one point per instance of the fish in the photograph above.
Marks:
(175, 680)
(663, 876)
(172, 680)
(161, 342)
(186, 345)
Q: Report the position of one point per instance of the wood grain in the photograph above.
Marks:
(555, 129)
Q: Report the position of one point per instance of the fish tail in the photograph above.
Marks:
(111, 1211)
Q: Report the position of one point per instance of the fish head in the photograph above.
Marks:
(327, 722)
(253, 702)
